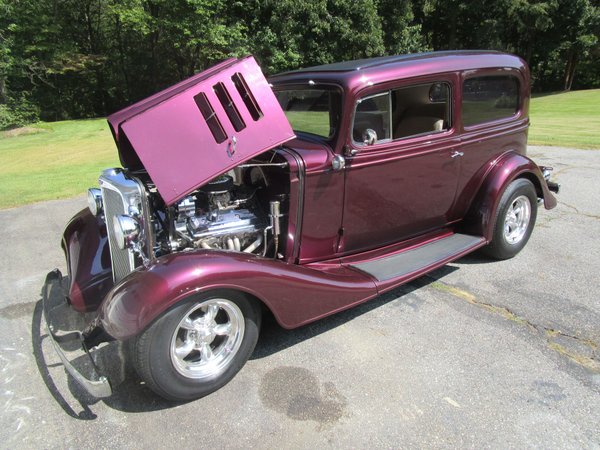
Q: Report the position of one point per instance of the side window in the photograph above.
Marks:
(489, 98)
(372, 119)
(401, 113)
(422, 109)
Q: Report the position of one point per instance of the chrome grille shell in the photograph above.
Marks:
(122, 194)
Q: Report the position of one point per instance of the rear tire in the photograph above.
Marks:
(197, 346)
(514, 221)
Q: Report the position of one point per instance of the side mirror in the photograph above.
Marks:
(369, 136)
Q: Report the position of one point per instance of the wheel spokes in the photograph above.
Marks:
(517, 211)
(206, 351)
(211, 312)
(186, 348)
(223, 329)
(188, 324)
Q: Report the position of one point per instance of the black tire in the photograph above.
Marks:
(157, 352)
(504, 244)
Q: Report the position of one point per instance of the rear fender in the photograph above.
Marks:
(508, 167)
(295, 294)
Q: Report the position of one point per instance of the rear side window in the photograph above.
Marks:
(489, 98)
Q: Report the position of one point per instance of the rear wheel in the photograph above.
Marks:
(198, 346)
(515, 218)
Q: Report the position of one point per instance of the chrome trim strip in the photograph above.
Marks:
(247, 165)
(148, 235)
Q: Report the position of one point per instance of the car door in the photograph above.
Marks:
(402, 163)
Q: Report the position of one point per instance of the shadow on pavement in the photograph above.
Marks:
(476, 258)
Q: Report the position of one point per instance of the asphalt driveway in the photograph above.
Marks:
(477, 354)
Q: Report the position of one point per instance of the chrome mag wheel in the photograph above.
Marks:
(207, 339)
(516, 221)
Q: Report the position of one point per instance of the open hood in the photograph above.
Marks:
(201, 127)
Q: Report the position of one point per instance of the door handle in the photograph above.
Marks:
(350, 151)
(455, 154)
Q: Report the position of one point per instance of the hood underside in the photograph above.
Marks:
(200, 128)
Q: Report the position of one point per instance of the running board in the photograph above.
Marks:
(419, 258)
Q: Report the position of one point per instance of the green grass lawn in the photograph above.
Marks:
(62, 159)
(56, 160)
(568, 119)
(315, 122)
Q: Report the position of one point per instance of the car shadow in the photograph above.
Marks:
(274, 338)
(131, 395)
(476, 258)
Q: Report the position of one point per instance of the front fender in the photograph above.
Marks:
(508, 167)
(295, 294)
(85, 244)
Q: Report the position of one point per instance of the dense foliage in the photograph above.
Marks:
(63, 59)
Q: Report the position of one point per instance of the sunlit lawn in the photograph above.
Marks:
(315, 122)
(567, 119)
(59, 160)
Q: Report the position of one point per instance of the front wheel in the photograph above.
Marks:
(197, 346)
(514, 220)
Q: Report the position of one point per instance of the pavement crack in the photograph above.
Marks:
(582, 351)
(580, 213)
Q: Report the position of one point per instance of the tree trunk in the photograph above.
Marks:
(122, 62)
(570, 69)
(529, 51)
(3, 96)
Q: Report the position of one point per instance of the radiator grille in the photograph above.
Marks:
(122, 260)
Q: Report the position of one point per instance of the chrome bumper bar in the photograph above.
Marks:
(98, 388)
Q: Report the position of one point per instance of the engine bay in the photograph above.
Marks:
(243, 210)
(217, 216)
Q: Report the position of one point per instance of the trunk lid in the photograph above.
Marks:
(191, 132)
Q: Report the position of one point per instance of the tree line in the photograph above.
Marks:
(66, 59)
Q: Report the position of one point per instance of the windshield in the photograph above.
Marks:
(311, 110)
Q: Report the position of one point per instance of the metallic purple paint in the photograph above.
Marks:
(506, 168)
(170, 127)
(420, 66)
(295, 294)
(88, 259)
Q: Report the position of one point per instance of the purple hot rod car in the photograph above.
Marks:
(302, 195)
